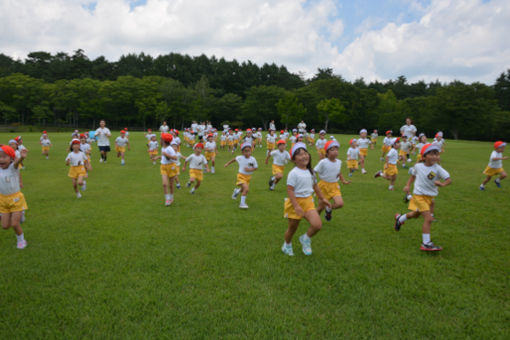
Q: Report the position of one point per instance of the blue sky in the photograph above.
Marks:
(377, 40)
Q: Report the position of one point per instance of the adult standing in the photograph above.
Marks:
(103, 135)
(164, 128)
(272, 126)
(408, 129)
(302, 127)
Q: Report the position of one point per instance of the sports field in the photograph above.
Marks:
(119, 264)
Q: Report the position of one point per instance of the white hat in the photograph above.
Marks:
(297, 146)
(363, 131)
(244, 145)
(322, 132)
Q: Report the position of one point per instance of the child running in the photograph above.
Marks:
(352, 157)
(329, 171)
(168, 167)
(363, 143)
(495, 166)
(210, 151)
(427, 177)
(387, 143)
(390, 167)
(404, 152)
(301, 184)
(280, 158)
(373, 138)
(77, 160)
(120, 146)
(197, 162)
(319, 145)
(45, 145)
(270, 141)
(177, 162)
(86, 149)
(12, 201)
(153, 149)
(247, 165)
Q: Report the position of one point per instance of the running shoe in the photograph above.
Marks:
(287, 250)
(397, 222)
(430, 247)
(306, 244)
(21, 244)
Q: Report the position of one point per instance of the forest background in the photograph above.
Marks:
(62, 91)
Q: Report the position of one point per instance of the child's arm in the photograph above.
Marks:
(250, 169)
(447, 181)
(343, 180)
(268, 156)
(499, 158)
(230, 162)
(23, 155)
(184, 165)
(129, 146)
(409, 182)
(292, 197)
(168, 156)
(319, 194)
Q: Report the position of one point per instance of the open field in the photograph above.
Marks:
(118, 264)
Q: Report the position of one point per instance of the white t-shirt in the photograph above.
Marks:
(271, 139)
(149, 136)
(121, 141)
(103, 136)
(363, 143)
(85, 148)
(425, 178)
(302, 127)
(196, 162)
(272, 126)
(280, 158)
(302, 181)
(210, 146)
(76, 158)
(9, 180)
(164, 128)
(496, 164)
(292, 139)
(405, 146)
(177, 140)
(352, 153)
(320, 143)
(45, 142)
(328, 171)
(388, 141)
(374, 135)
(244, 162)
(408, 130)
(153, 145)
(392, 156)
(170, 151)
(439, 143)
(248, 139)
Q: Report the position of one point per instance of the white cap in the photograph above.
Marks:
(322, 132)
(297, 146)
(244, 145)
(363, 131)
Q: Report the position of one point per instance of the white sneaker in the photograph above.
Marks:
(84, 186)
(363, 171)
(243, 206)
(22, 219)
(78, 195)
(122, 162)
(287, 250)
(236, 193)
(100, 160)
(21, 244)
(306, 244)
(168, 203)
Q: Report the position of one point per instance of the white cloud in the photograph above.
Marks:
(464, 40)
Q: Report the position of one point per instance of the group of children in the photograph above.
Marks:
(426, 175)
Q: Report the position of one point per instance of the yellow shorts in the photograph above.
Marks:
(492, 171)
(311, 140)
(277, 169)
(270, 146)
(169, 170)
(386, 148)
(242, 178)
(402, 153)
(418, 157)
(420, 203)
(230, 143)
(120, 149)
(390, 170)
(45, 148)
(306, 203)
(363, 152)
(209, 155)
(197, 174)
(322, 152)
(77, 171)
(373, 140)
(153, 153)
(12, 203)
(352, 163)
(329, 189)
(223, 143)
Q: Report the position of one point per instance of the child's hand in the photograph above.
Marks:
(183, 168)
(24, 153)
(225, 165)
(299, 211)
(326, 203)
(406, 188)
(346, 182)
(438, 184)
(504, 157)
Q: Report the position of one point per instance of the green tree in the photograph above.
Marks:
(260, 104)
(332, 110)
(290, 110)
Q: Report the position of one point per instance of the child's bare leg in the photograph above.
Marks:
(487, 179)
(362, 162)
(502, 175)
(15, 222)
(278, 177)
(75, 185)
(244, 189)
(80, 180)
(164, 180)
(293, 225)
(427, 221)
(320, 207)
(6, 220)
(171, 185)
(314, 219)
(338, 202)
(413, 214)
(198, 184)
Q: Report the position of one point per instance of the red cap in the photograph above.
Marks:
(236, 130)
(17, 139)
(389, 132)
(281, 131)
(330, 144)
(167, 137)
(44, 132)
(352, 141)
(149, 129)
(122, 131)
(248, 130)
(210, 135)
(499, 144)
(176, 132)
(8, 151)
(198, 145)
(82, 135)
(125, 129)
(75, 141)
(396, 140)
(281, 141)
(427, 148)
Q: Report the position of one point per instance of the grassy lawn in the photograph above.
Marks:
(118, 264)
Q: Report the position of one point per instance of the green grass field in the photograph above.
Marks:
(118, 264)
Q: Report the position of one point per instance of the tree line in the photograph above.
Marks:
(141, 91)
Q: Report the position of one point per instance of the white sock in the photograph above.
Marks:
(171, 196)
(481, 185)
(288, 244)
(390, 187)
(20, 238)
(402, 218)
(425, 238)
(243, 199)
(305, 237)
(272, 178)
(167, 197)
(328, 209)
(497, 180)
(192, 189)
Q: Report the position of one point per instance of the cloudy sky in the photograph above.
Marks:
(377, 40)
